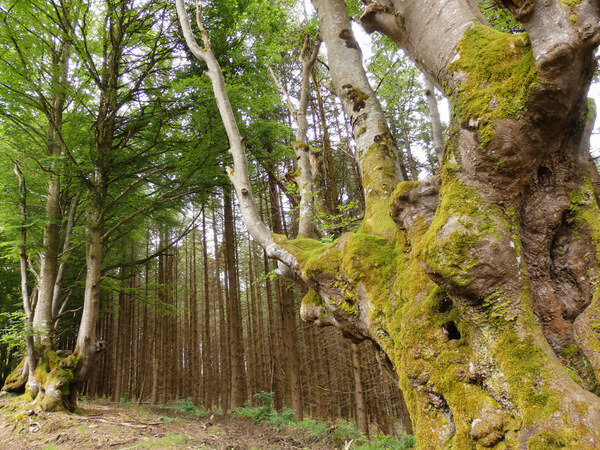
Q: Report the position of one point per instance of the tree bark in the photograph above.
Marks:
(359, 398)
(238, 373)
(379, 169)
(436, 123)
(483, 288)
(207, 350)
(329, 185)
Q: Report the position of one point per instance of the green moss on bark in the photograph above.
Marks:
(460, 223)
(497, 74)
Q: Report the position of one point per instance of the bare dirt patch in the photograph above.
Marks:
(108, 425)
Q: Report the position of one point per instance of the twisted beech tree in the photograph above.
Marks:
(480, 286)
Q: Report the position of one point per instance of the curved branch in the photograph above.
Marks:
(563, 37)
(429, 35)
(239, 174)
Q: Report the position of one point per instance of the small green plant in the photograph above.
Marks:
(169, 440)
(187, 405)
(167, 419)
(344, 219)
(264, 411)
(345, 431)
(261, 412)
(402, 442)
(337, 434)
(316, 429)
(283, 417)
(265, 398)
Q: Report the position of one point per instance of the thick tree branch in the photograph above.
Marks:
(429, 33)
(379, 167)
(436, 123)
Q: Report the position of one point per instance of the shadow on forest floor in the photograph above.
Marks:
(122, 426)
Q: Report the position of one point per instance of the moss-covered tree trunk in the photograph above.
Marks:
(479, 286)
(57, 375)
(483, 292)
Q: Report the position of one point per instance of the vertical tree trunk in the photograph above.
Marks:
(286, 314)
(253, 341)
(276, 383)
(238, 375)
(206, 341)
(117, 345)
(224, 347)
(414, 173)
(359, 397)
(87, 346)
(330, 184)
(436, 123)
(157, 338)
(43, 322)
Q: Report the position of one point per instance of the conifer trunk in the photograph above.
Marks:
(359, 398)
(207, 350)
(238, 373)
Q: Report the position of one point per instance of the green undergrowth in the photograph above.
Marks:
(499, 76)
(337, 433)
(309, 431)
(187, 405)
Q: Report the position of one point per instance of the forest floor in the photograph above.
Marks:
(123, 426)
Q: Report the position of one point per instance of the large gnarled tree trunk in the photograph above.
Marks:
(482, 291)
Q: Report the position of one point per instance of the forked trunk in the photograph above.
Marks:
(483, 295)
(482, 291)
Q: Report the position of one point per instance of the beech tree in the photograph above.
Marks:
(91, 101)
(480, 286)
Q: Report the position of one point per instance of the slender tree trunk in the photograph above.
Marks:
(276, 383)
(286, 314)
(206, 341)
(117, 346)
(238, 375)
(195, 350)
(359, 397)
(436, 123)
(224, 347)
(414, 173)
(330, 184)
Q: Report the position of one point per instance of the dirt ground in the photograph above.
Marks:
(108, 425)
